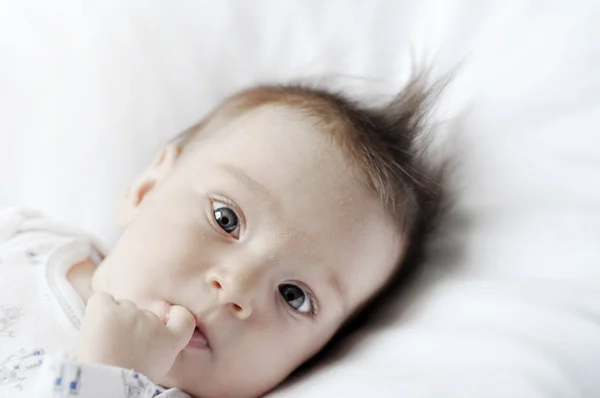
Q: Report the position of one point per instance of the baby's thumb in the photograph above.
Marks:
(181, 324)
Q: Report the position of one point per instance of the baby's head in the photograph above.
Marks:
(274, 221)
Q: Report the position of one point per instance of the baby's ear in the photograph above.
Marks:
(147, 183)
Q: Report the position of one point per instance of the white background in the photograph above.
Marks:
(510, 304)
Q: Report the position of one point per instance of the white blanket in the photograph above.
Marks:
(510, 304)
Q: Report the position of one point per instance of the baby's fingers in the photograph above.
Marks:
(100, 303)
(181, 324)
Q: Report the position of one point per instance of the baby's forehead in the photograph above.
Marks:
(283, 136)
(284, 120)
(289, 139)
(291, 154)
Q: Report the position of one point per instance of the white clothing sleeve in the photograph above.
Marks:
(11, 218)
(61, 377)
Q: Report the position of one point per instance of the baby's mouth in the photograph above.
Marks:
(198, 339)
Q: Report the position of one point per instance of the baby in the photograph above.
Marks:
(247, 245)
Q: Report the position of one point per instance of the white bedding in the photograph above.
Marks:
(510, 304)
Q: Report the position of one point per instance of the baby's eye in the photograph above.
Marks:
(296, 298)
(227, 219)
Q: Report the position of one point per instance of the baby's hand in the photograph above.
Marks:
(120, 334)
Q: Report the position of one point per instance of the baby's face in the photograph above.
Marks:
(264, 233)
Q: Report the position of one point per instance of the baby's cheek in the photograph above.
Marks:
(113, 279)
(99, 279)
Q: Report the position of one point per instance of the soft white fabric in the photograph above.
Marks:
(510, 306)
(40, 314)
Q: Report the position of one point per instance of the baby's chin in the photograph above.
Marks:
(174, 380)
(212, 386)
(189, 376)
(196, 388)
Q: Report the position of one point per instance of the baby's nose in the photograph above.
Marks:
(232, 294)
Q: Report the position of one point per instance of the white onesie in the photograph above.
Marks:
(40, 314)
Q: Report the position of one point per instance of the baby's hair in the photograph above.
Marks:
(387, 145)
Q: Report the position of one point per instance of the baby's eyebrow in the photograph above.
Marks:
(243, 178)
